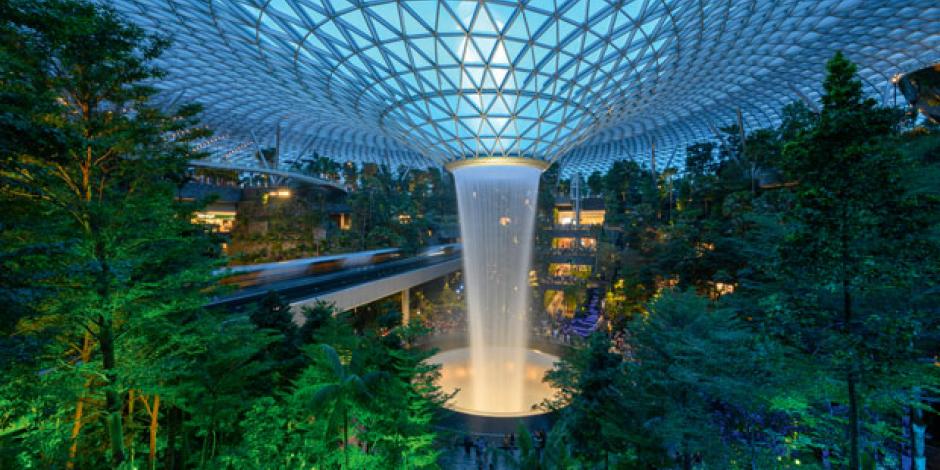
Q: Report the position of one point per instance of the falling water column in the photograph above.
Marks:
(497, 203)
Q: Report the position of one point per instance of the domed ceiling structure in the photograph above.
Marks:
(586, 82)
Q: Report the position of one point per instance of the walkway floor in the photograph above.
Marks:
(454, 458)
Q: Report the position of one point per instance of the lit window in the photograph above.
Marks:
(723, 288)
(279, 194)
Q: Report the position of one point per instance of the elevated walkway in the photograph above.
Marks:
(332, 185)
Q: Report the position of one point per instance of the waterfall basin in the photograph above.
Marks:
(487, 396)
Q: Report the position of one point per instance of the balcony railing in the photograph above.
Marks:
(572, 226)
(572, 251)
(561, 280)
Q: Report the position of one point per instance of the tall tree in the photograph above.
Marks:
(857, 237)
(97, 167)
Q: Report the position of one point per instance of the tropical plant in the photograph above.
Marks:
(338, 391)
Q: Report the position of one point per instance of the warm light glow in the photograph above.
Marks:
(220, 221)
(345, 223)
(497, 161)
(456, 374)
(588, 217)
(568, 269)
(665, 283)
(724, 288)
(496, 229)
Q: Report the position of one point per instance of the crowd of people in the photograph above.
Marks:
(482, 449)
(587, 319)
(555, 327)
(447, 323)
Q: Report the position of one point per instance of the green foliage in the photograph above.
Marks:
(529, 457)
(817, 244)
(589, 394)
(111, 358)
(697, 374)
(368, 402)
(397, 208)
(387, 208)
(820, 345)
(402, 434)
(855, 251)
(127, 265)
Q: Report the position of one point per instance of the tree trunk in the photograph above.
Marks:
(76, 428)
(854, 425)
(112, 398)
(172, 430)
(185, 444)
(154, 417)
(113, 402)
(686, 455)
(85, 356)
(904, 450)
(918, 432)
(346, 438)
(851, 379)
(751, 448)
(129, 433)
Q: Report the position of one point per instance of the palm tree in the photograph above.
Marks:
(342, 390)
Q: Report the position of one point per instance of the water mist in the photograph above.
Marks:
(497, 205)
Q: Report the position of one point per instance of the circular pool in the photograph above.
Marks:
(485, 397)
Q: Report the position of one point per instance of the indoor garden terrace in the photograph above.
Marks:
(455, 234)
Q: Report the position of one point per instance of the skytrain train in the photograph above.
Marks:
(267, 273)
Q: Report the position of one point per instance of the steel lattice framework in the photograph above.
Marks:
(419, 82)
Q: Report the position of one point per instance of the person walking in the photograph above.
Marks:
(481, 452)
(539, 442)
(467, 445)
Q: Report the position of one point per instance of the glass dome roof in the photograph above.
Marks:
(419, 82)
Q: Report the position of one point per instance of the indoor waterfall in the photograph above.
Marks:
(497, 205)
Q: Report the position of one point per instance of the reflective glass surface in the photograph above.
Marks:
(420, 82)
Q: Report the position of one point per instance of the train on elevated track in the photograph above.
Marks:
(267, 273)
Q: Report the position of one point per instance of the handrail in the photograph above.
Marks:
(270, 171)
